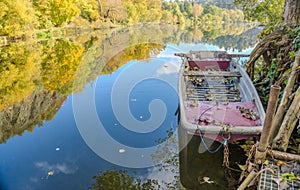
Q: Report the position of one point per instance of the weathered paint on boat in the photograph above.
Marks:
(222, 112)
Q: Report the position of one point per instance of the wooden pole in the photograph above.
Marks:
(283, 107)
(283, 155)
(261, 150)
(288, 124)
(248, 180)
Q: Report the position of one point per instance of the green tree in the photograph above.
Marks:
(133, 16)
(89, 10)
(166, 17)
(278, 51)
(155, 10)
(112, 180)
(188, 9)
(267, 12)
(177, 14)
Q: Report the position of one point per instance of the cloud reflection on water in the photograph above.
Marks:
(56, 168)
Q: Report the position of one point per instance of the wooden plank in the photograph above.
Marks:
(238, 55)
(214, 86)
(213, 74)
(215, 99)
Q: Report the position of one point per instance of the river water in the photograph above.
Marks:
(97, 110)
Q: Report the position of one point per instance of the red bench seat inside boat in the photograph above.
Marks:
(210, 64)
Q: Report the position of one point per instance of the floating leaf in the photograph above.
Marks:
(279, 163)
(288, 177)
(242, 167)
(121, 150)
(266, 162)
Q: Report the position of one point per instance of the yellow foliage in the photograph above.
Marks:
(20, 69)
(60, 66)
(58, 12)
(138, 52)
(16, 17)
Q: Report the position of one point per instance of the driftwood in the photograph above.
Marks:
(283, 155)
(284, 104)
(291, 118)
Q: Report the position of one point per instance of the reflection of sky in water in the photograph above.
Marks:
(139, 99)
(184, 47)
(55, 156)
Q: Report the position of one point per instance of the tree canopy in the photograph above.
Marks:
(23, 17)
(266, 12)
(275, 60)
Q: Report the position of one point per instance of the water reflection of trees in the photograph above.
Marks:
(38, 107)
(244, 40)
(60, 67)
(113, 179)
(19, 71)
(196, 163)
(138, 52)
(167, 162)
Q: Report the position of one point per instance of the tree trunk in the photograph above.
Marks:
(100, 7)
(284, 104)
(291, 118)
(291, 14)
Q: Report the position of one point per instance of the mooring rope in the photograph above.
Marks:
(225, 140)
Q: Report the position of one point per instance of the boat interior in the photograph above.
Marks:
(215, 92)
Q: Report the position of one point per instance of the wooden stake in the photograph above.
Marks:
(261, 151)
(283, 107)
(248, 180)
(289, 122)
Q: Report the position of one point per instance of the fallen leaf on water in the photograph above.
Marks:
(121, 150)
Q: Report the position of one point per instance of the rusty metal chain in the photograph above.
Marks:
(248, 161)
(226, 156)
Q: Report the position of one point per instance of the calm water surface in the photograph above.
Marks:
(98, 111)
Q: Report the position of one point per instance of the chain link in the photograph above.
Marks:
(248, 161)
(226, 156)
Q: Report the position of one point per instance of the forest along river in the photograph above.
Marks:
(97, 111)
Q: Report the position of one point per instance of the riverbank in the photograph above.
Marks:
(71, 29)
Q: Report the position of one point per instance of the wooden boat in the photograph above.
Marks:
(216, 96)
